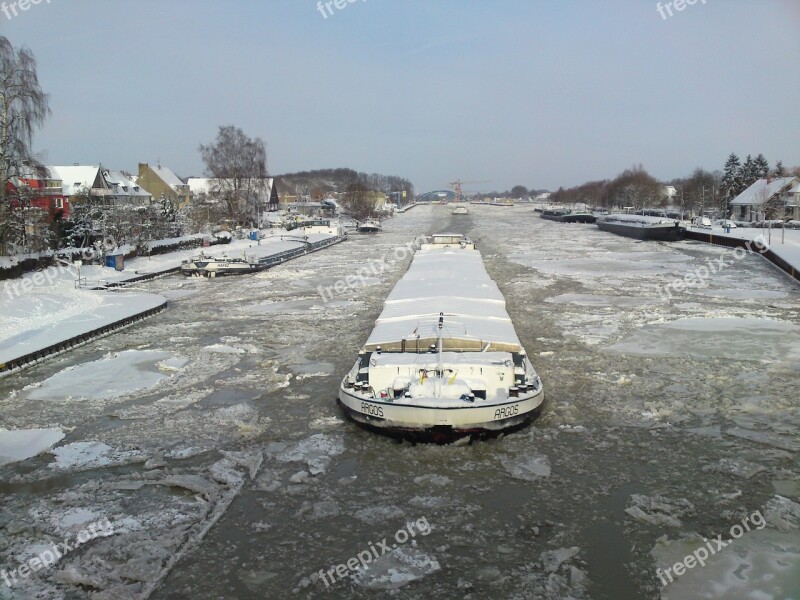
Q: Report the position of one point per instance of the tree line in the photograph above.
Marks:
(702, 190)
(235, 164)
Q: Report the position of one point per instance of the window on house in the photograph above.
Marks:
(59, 203)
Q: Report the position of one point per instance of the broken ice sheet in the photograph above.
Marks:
(529, 468)
(553, 559)
(92, 455)
(111, 376)
(658, 510)
(762, 564)
(395, 569)
(21, 444)
(317, 451)
(735, 466)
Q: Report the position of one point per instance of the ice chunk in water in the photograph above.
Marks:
(396, 569)
(529, 468)
(317, 451)
(21, 444)
(553, 559)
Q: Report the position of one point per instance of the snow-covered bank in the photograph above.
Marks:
(275, 242)
(59, 313)
(44, 310)
(784, 243)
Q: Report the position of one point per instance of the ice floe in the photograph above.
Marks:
(21, 444)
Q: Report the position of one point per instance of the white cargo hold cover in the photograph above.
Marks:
(452, 281)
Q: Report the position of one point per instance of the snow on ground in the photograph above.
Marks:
(44, 308)
(38, 320)
(783, 242)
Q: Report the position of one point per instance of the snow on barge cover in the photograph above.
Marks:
(444, 360)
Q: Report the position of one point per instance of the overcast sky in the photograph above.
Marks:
(537, 93)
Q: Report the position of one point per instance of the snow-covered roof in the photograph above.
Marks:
(168, 177)
(452, 281)
(122, 184)
(204, 185)
(75, 178)
(200, 185)
(762, 190)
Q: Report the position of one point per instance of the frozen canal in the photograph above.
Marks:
(209, 437)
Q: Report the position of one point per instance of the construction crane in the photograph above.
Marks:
(456, 185)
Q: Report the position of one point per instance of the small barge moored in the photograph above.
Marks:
(444, 360)
(642, 227)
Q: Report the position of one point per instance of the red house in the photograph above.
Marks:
(42, 192)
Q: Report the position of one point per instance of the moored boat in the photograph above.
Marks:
(444, 360)
(563, 215)
(578, 216)
(553, 214)
(210, 266)
(369, 226)
(641, 227)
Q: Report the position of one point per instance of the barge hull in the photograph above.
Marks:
(467, 419)
(661, 234)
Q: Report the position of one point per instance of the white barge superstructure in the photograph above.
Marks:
(444, 357)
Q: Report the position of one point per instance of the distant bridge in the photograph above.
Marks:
(437, 196)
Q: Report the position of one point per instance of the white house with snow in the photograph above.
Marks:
(110, 187)
(768, 199)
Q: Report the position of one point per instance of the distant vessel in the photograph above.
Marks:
(209, 266)
(578, 216)
(564, 215)
(502, 202)
(370, 226)
(641, 227)
(553, 214)
(444, 359)
(460, 210)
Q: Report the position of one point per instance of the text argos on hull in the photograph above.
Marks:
(444, 359)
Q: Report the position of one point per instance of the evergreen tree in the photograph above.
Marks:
(731, 183)
(760, 167)
(780, 171)
(747, 173)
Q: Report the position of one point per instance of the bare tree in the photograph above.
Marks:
(519, 191)
(358, 201)
(238, 166)
(23, 107)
